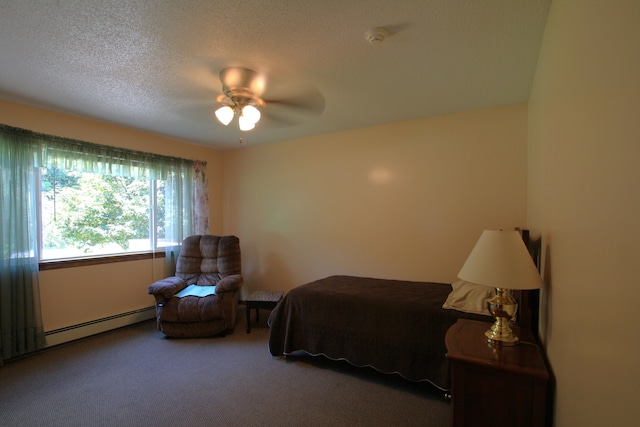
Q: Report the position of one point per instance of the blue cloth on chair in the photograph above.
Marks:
(196, 291)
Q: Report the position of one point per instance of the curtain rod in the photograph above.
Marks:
(54, 138)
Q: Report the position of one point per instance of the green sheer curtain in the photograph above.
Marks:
(178, 213)
(22, 152)
(177, 173)
(21, 328)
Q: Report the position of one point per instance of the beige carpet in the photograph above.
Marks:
(137, 377)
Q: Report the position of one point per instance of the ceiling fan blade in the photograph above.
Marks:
(201, 112)
(306, 106)
(288, 96)
(273, 120)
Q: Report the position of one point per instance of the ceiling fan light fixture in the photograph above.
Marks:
(225, 114)
(251, 113)
(245, 124)
(241, 90)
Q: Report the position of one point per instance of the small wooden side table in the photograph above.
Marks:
(261, 299)
(494, 385)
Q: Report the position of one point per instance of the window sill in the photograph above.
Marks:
(81, 262)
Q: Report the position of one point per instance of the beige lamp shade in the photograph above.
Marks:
(500, 259)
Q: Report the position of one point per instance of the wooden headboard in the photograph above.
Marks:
(529, 301)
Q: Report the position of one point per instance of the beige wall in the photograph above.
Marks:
(406, 200)
(583, 196)
(72, 296)
(76, 295)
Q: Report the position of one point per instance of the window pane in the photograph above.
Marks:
(86, 214)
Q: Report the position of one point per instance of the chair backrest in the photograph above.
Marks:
(205, 259)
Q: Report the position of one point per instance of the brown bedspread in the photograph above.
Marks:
(393, 326)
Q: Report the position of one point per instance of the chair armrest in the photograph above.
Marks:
(167, 287)
(230, 283)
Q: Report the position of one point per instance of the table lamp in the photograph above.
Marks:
(501, 260)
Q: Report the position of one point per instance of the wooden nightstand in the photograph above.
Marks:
(495, 385)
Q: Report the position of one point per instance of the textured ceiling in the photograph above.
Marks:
(154, 65)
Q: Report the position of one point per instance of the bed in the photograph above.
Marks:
(393, 326)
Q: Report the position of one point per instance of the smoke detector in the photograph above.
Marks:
(376, 35)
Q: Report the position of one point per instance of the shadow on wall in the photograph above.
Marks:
(269, 270)
(546, 300)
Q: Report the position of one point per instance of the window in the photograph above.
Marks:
(87, 214)
(93, 200)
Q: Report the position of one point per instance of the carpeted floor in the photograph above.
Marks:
(136, 377)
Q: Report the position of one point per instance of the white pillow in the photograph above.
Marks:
(469, 298)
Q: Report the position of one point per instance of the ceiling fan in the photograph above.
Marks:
(242, 91)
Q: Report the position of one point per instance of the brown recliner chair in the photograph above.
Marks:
(201, 300)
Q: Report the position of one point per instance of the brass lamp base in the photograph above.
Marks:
(501, 334)
(503, 308)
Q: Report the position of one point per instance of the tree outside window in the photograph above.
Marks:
(85, 214)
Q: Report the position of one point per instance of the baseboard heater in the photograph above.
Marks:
(83, 330)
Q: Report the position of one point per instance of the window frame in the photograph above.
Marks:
(98, 260)
(178, 174)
